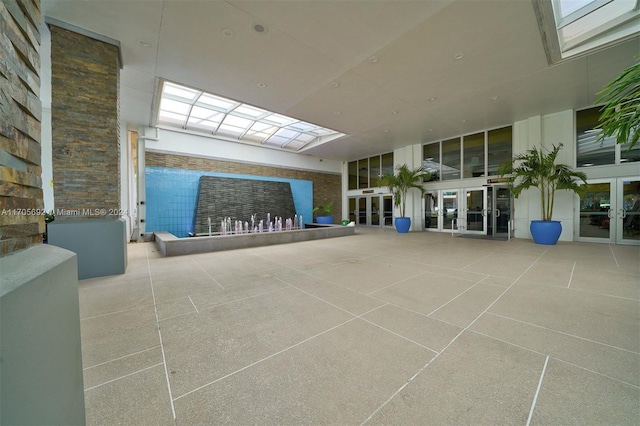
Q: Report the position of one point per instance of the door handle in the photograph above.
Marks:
(497, 212)
(609, 213)
(623, 213)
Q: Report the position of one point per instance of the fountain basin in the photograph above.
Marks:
(170, 245)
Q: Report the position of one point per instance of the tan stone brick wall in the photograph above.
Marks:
(21, 201)
(84, 115)
(327, 187)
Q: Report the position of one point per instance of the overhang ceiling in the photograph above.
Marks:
(385, 73)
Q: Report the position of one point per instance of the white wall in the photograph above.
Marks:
(201, 146)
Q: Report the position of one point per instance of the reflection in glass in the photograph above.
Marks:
(499, 148)
(475, 213)
(431, 210)
(387, 163)
(595, 203)
(473, 155)
(387, 205)
(591, 151)
(362, 211)
(631, 206)
(352, 210)
(451, 159)
(363, 173)
(449, 209)
(374, 174)
(431, 160)
(629, 155)
(353, 175)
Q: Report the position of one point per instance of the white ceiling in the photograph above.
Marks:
(311, 45)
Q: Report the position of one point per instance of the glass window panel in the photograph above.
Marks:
(207, 125)
(353, 174)
(451, 159)
(590, 151)
(500, 149)
(363, 173)
(473, 155)
(239, 122)
(431, 160)
(387, 163)
(216, 101)
(174, 106)
(230, 130)
(180, 91)
(250, 111)
(277, 140)
(206, 114)
(629, 156)
(263, 127)
(303, 127)
(374, 170)
(170, 117)
(280, 120)
(305, 137)
(286, 133)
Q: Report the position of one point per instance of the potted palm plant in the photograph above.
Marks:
(538, 169)
(327, 217)
(399, 184)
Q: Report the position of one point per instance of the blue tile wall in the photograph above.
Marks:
(171, 197)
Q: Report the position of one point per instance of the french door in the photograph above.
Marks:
(610, 211)
(441, 210)
(372, 210)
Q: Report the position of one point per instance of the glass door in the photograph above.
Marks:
(432, 211)
(627, 213)
(375, 210)
(499, 211)
(475, 211)
(610, 211)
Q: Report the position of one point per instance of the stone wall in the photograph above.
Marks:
(84, 114)
(326, 187)
(21, 202)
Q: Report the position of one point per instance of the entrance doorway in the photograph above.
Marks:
(371, 210)
(484, 211)
(610, 211)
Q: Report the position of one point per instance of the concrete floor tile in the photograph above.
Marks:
(612, 362)
(103, 296)
(421, 329)
(228, 337)
(349, 300)
(337, 378)
(364, 276)
(606, 282)
(465, 308)
(425, 293)
(141, 398)
(573, 396)
(475, 381)
(609, 320)
(111, 370)
(111, 336)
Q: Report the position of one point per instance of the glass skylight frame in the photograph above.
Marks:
(203, 113)
(581, 26)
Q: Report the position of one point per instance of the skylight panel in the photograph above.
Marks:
(176, 107)
(201, 112)
(181, 92)
(217, 102)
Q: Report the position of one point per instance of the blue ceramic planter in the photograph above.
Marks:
(325, 220)
(403, 224)
(545, 232)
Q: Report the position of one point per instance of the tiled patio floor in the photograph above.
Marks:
(376, 328)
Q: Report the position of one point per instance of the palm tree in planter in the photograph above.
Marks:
(538, 169)
(327, 217)
(399, 184)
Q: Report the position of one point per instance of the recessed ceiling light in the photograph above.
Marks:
(394, 112)
(227, 32)
(464, 121)
(386, 130)
(432, 99)
(458, 56)
(494, 98)
(259, 28)
(374, 59)
(334, 84)
(337, 113)
(144, 43)
(262, 85)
